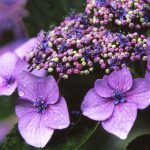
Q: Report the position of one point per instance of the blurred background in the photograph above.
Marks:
(21, 20)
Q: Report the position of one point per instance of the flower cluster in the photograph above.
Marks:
(134, 14)
(75, 47)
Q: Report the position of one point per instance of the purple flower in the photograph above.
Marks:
(40, 109)
(147, 75)
(114, 100)
(11, 64)
(8, 71)
(11, 14)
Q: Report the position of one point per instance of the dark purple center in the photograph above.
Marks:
(40, 105)
(10, 80)
(119, 97)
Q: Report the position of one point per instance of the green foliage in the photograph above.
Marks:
(7, 106)
(49, 12)
(140, 143)
(69, 141)
(15, 141)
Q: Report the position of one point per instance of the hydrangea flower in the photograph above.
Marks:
(40, 109)
(11, 14)
(11, 67)
(114, 100)
(8, 72)
(121, 13)
(69, 49)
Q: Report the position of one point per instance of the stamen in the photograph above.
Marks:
(41, 105)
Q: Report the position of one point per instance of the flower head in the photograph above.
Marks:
(114, 100)
(74, 47)
(130, 13)
(40, 109)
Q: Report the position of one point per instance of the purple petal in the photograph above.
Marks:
(23, 107)
(57, 116)
(139, 93)
(8, 89)
(11, 46)
(26, 86)
(102, 87)
(39, 73)
(122, 120)
(48, 89)
(32, 87)
(4, 130)
(7, 65)
(33, 130)
(23, 66)
(147, 75)
(148, 46)
(96, 107)
(25, 48)
(120, 80)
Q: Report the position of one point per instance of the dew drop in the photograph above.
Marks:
(21, 93)
(61, 116)
(24, 85)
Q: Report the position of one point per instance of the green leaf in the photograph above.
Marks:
(42, 14)
(72, 139)
(7, 106)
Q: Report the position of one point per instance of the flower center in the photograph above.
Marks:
(40, 105)
(119, 97)
(10, 80)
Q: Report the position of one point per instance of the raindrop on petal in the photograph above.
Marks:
(21, 93)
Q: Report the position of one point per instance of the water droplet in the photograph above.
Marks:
(61, 116)
(24, 85)
(21, 93)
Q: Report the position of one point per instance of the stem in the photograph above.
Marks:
(58, 80)
(90, 134)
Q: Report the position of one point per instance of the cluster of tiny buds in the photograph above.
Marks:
(75, 47)
(129, 13)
